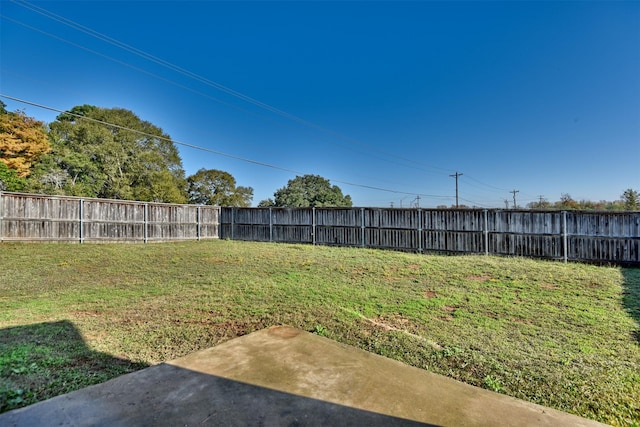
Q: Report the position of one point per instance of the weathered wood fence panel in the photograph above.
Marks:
(580, 236)
(29, 217)
(569, 235)
(38, 218)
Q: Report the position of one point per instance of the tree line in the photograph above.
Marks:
(91, 151)
(629, 201)
(111, 153)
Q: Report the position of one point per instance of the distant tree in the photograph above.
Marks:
(631, 200)
(9, 179)
(540, 204)
(215, 187)
(89, 158)
(566, 202)
(313, 191)
(266, 203)
(23, 140)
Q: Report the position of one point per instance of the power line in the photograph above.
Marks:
(474, 203)
(485, 184)
(138, 52)
(152, 58)
(220, 153)
(173, 67)
(181, 86)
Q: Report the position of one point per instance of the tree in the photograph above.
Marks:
(540, 204)
(566, 202)
(9, 179)
(132, 160)
(23, 140)
(215, 187)
(311, 190)
(267, 203)
(631, 200)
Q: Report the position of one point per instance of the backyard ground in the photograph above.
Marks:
(561, 335)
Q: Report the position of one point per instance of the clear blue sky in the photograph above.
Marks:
(539, 97)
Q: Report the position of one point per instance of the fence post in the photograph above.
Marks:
(145, 230)
(419, 230)
(313, 225)
(1, 213)
(232, 211)
(565, 240)
(198, 223)
(270, 224)
(486, 232)
(363, 240)
(80, 224)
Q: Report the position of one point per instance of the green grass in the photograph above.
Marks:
(561, 335)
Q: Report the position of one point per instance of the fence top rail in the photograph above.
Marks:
(99, 200)
(466, 210)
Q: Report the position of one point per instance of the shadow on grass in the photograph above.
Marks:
(44, 360)
(631, 296)
(166, 395)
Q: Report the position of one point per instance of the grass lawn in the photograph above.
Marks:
(561, 335)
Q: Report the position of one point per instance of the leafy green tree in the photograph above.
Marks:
(9, 179)
(23, 140)
(266, 203)
(631, 200)
(540, 204)
(566, 202)
(215, 187)
(311, 190)
(132, 160)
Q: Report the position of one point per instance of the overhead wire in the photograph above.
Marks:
(209, 150)
(166, 80)
(147, 56)
(467, 176)
(206, 81)
(125, 64)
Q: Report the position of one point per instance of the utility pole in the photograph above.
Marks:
(506, 203)
(515, 206)
(391, 205)
(417, 200)
(456, 175)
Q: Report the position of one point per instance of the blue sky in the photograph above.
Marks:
(539, 97)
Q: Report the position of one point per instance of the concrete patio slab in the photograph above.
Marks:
(282, 376)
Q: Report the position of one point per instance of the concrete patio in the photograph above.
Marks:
(283, 376)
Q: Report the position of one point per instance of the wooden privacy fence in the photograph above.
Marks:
(29, 217)
(566, 235)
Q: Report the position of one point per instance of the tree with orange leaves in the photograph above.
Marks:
(23, 140)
